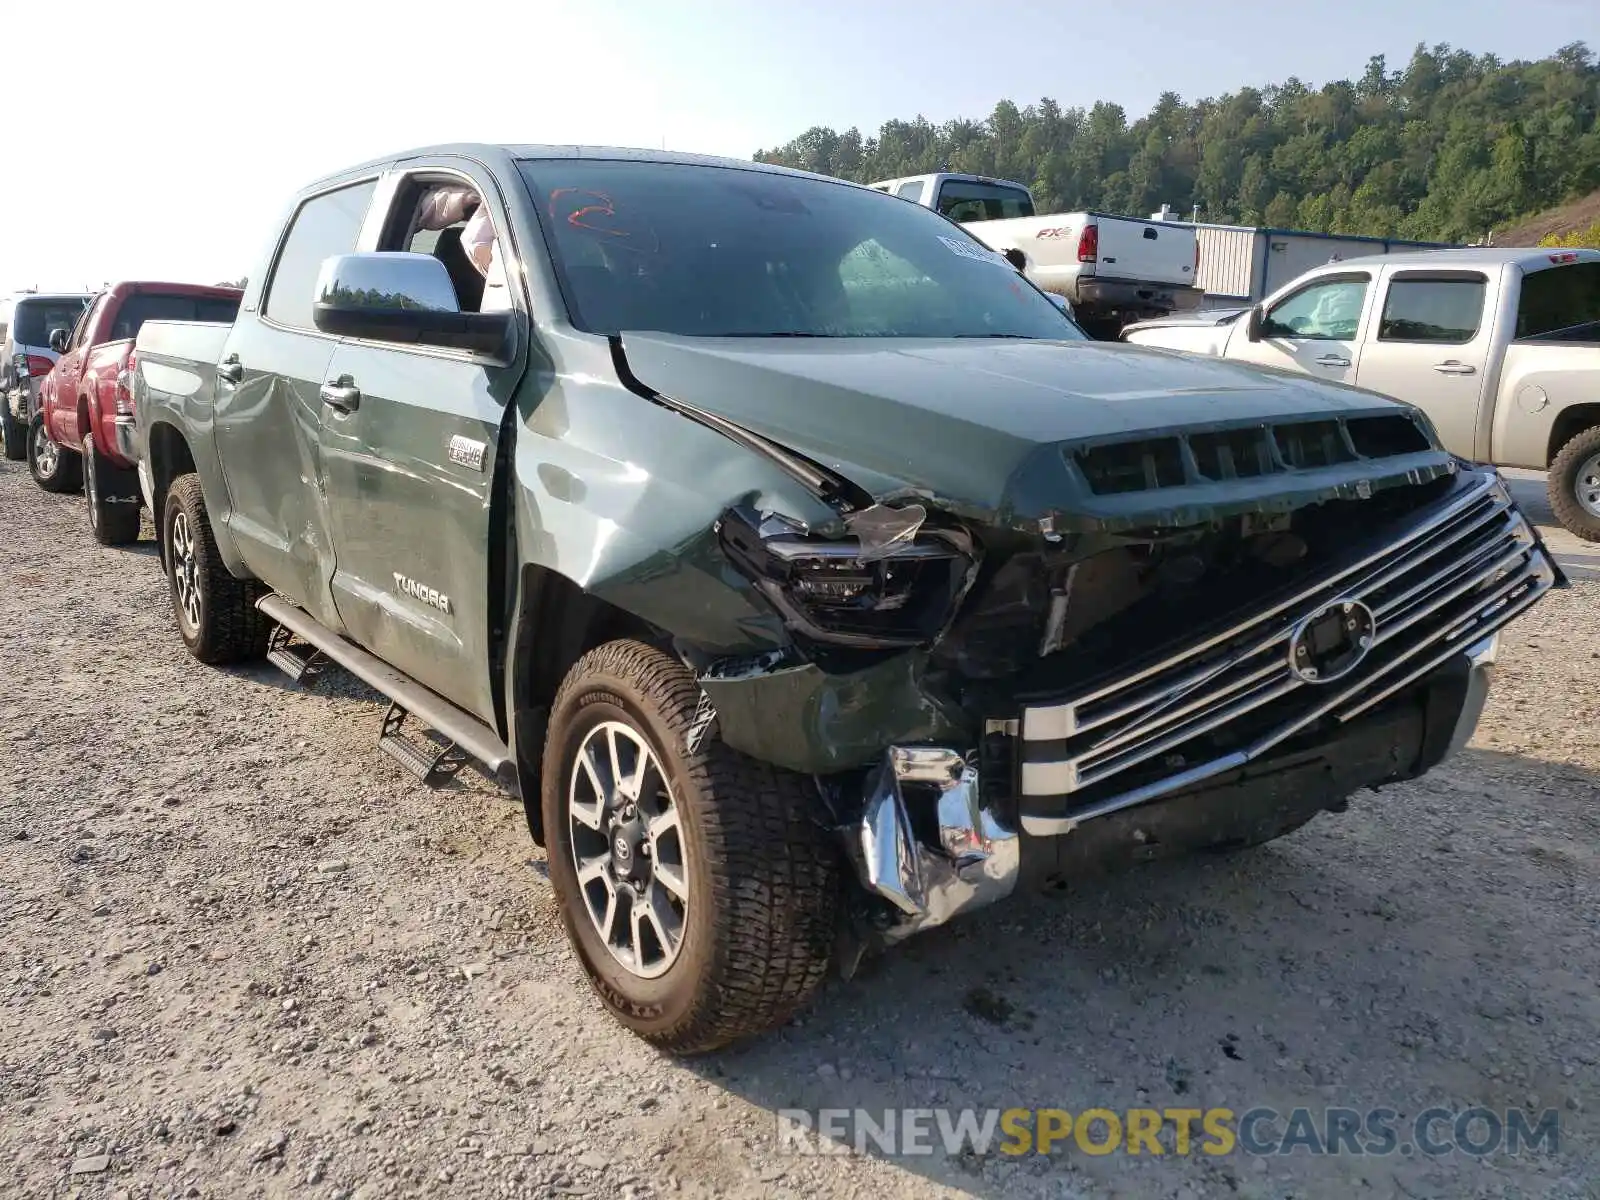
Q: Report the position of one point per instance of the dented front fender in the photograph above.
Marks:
(800, 717)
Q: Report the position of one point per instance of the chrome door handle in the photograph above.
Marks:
(1333, 360)
(1452, 367)
(338, 394)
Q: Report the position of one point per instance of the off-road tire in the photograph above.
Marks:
(67, 475)
(230, 628)
(1562, 484)
(763, 872)
(113, 523)
(15, 433)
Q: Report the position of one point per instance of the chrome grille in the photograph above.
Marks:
(1456, 576)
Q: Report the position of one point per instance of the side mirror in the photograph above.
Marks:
(1252, 324)
(402, 297)
(59, 339)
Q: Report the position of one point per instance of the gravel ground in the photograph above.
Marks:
(242, 954)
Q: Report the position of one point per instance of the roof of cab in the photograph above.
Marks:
(1471, 256)
(492, 155)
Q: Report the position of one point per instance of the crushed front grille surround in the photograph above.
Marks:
(1347, 641)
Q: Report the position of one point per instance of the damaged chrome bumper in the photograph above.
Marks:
(926, 843)
(1480, 673)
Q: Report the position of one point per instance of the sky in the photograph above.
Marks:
(161, 139)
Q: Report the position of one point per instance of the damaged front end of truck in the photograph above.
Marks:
(1155, 644)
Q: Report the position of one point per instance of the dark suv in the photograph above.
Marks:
(26, 357)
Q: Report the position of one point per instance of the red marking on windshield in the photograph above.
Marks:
(579, 218)
(588, 208)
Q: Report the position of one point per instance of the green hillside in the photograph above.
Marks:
(1448, 148)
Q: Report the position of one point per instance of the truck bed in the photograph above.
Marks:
(1128, 248)
(178, 359)
(177, 372)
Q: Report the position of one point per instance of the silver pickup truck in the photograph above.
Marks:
(1501, 349)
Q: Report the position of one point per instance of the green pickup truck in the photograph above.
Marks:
(804, 569)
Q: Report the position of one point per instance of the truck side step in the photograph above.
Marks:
(464, 733)
(430, 762)
(300, 662)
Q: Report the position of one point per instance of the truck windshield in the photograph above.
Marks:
(711, 251)
(36, 318)
(971, 200)
(152, 306)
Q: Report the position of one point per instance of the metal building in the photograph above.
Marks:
(1240, 264)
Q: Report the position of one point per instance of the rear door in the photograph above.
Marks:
(1146, 251)
(268, 412)
(1315, 329)
(410, 468)
(1430, 346)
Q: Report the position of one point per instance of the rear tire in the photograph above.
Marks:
(216, 613)
(15, 433)
(53, 468)
(735, 881)
(113, 522)
(1574, 485)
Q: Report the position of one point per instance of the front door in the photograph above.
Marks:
(65, 376)
(268, 411)
(409, 442)
(1315, 330)
(409, 469)
(1431, 348)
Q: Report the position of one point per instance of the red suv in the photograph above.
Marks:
(85, 415)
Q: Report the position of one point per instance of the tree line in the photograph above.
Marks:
(1446, 149)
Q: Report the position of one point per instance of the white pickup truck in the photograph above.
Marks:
(1499, 347)
(1110, 269)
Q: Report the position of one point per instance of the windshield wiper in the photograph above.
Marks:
(1021, 337)
(778, 333)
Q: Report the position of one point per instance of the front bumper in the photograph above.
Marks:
(927, 844)
(933, 842)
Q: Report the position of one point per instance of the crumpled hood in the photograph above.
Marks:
(985, 426)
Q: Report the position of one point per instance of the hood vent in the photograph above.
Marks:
(1181, 460)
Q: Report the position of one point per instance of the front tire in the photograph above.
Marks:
(53, 468)
(113, 522)
(14, 431)
(216, 613)
(699, 889)
(1574, 485)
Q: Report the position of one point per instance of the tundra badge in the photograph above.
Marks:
(467, 452)
(432, 597)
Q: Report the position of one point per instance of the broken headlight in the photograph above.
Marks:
(863, 590)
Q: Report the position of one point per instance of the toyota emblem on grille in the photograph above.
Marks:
(1332, 641)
